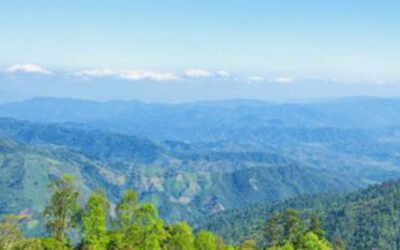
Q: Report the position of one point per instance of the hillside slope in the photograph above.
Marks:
(27, 169)
(364, 219)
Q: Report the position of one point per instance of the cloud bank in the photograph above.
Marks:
(284, 80)
(133, 75)
(29, 68)
(198, 73)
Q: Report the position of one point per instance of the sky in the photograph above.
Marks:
(272, 41)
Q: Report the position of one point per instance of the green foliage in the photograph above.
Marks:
(181, 237)
(248, 245)
(94, 222)
(365, 219)
(287, 230)
(292, 226)
(310, 241)
(286, 246)
(273, 230)
(126, 211)
(32, 244)
(338, 245)
(125, 222)
(151, 228)
(51, 244)
(136, 226)
(62, 208)
(204, 240)
(316, 225)
(10, 234)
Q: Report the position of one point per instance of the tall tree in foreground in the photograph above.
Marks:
(204, 240)
(94, 222)
(310, 241)
(126, 211)
(62, 207)
(181, 237)
(122, 235)
(152, 233)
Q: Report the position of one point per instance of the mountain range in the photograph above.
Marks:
(197, 159)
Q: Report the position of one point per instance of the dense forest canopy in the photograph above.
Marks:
(135, 225)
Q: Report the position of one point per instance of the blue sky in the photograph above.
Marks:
(280, 40)
(321, 37)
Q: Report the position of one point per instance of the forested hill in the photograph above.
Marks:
(365, 219)
(172, 185)
(131, 224)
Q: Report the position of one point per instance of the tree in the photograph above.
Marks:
(150, 228)
(292, 226)
(310, 241)
(51, 243)
(273, 231)
(10, 233)
(35, 244)
(205, 240)
(126, 211)
(126, 216)
(181, 237)
(11, 237)
(286, 246)
(338, 245)
(94, 222)
(248, 245)
(316, 226)
(62, 208)
(229, 247)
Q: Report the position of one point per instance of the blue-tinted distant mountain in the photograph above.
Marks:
(202, 121)
(96, 144)
(201, 158)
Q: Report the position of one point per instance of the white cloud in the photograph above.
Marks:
(198, 73)
(223, 73)
(284, 80)
(96, 73)
(150, 75)
(133, 75)
(29, 68)
(255, 78)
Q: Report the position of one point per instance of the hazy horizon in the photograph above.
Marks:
(178, 52)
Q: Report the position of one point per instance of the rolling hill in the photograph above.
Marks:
(364, 219)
